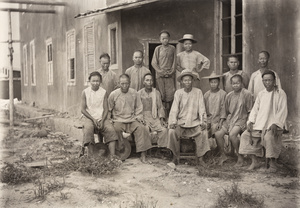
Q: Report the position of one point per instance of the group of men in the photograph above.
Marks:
(132, 105)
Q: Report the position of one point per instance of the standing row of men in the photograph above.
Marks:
(137, 110)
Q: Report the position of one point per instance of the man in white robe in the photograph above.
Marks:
(265, 124)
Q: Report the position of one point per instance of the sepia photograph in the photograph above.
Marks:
(149, 103)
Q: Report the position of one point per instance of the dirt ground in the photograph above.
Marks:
(134, 184)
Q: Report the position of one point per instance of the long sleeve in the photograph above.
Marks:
(281, 111)
(202, 110)
(155, 60)
(110, 102)
(254, 111)
(204, 61)
(160, 108)
(251, 84)
(174, 109)
(138, 111)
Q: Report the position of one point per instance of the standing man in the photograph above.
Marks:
(233, 64)
(265, 124)
(153, 111)
(163, 62)
(137, 72)
(187, 117)
(109, 82)
(126, 109)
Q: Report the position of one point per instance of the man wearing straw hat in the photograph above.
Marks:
(214, 100)
(191, 59)
(187, 117)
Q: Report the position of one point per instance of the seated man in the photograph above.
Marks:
(94, 107)
(265, 124)
(186, 117)
(126, 108)
(238, 104)
(153, 111)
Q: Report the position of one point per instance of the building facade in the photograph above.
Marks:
(60, 50)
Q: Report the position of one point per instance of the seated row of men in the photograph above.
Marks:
(141, 113)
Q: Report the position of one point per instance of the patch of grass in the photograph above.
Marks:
(94, 166)
(17, 174)
(222, 174)
(44, 188)
(292, 185)
(235, 198)
(103, 192)
(141, 203)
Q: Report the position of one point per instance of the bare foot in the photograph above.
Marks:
(143, 157)
(222, 159)
(272, 168)
(239, 163)
(253, 166)
(202, 163)
(175, 160)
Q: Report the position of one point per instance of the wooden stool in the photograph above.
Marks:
(187, 149)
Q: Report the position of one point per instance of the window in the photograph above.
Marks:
(113, 44)
(32, 64)
(231, 31)
(71, 73)
(89, 50)
(25, 65)
(49, 61)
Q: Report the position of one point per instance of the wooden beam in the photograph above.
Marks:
(27, 10)
(34, 2)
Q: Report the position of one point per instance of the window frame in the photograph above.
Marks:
(111, 27)
(49, 64)
(25, 65)
(69, 34)
(233, 36)
(86, 51)
(32, 63)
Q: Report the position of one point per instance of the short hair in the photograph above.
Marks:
(266, 53)
(148, 74)
(124, 76)
(140, 51)
(233, 56)
(218, 78)
(104, 55)
(164, 31)
(236, 75)
(95, 73)
(269, 72)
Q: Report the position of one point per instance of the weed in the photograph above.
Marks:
(292, 185)
(95, 166)
(216, 173)
(17, 174)
(44, 188)
(235, 198)
(140, 203)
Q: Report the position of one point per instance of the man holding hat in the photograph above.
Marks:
(191, 59)
(187, 117)
(214, 100)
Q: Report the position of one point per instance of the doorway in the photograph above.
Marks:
(151, 49)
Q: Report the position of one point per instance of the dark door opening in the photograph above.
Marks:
(152, 47)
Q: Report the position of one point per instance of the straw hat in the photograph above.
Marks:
(213, 75)
(186, 72)
(187, 37)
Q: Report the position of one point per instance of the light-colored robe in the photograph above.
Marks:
(137, 76)
(153, 110)
(256, 84)
(227, 83)
(214, 102)
(109, 80)
(269, 108)
(125, 107)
